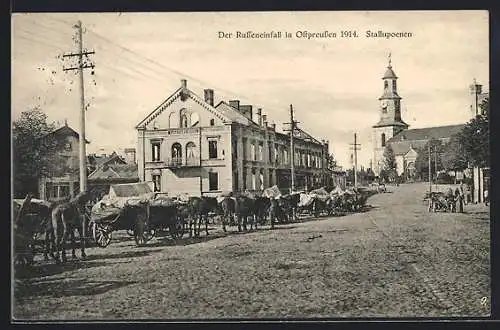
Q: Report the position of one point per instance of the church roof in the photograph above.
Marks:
(427, 133)
(389, 73)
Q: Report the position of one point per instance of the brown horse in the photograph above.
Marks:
(228, 205)
(66, 217)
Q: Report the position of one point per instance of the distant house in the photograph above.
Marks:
(58, 187)
(106, 170)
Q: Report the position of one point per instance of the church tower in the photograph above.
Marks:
(390, 122)
(475, 91)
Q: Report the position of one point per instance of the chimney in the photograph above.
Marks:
(130, 155)
(246, 110)
(259, 116)
(235, 104)
(184, 83)
(209, 96)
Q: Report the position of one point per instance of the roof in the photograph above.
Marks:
(66, 130)
(427, 133)
(389, 73)
(391, 122)
(233, 114)
(115, 171)
(100, 160)
(181, 92)
(389, 94)
(129, 189)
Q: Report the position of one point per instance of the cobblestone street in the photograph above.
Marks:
(395, 260)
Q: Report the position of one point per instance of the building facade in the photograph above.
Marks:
(189, 145)
(53, 188)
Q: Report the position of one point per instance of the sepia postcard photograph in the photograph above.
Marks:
(285, 165)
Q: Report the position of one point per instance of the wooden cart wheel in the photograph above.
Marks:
(149, 234)
(140, 239)
(102, 236)
(177, 229)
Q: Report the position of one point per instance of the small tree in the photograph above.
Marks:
(34, 152)
(453, 157)
(389, 164)
(332, 162)
(474, 138)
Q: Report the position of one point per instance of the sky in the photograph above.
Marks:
(333, 83)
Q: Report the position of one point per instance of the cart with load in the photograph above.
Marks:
(135, 208)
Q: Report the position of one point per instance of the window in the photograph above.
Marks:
(252, 151)
(386, 84)
(394, 85)
(383, 139)
(156, 178)
(212, 122)
(190, 150)
(176, 153)
(68, 146)
(212, 149)
(261, 179)
(285, 156)
(155, 151)
(184, 121)
(213, 181)
(261, 152)
(254, 181)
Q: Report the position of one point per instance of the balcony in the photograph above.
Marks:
(179, 162)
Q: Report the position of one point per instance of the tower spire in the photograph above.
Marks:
(389, 57)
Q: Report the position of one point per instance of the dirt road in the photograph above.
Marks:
(396, 260)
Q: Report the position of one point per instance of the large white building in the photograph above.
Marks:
(190, 145)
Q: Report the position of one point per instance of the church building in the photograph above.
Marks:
(392, 130)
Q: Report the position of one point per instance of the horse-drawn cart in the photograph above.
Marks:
(136, 209)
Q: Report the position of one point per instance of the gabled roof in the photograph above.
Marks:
(115, 171)
(233, 114)
(180, 92)
(66, 131)
(301, 134)
(427, 133)
(106, 160)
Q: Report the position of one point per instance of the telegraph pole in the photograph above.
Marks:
(81, 65)
(430, 169)
(292, 123)
(354, 147)
(436, 165)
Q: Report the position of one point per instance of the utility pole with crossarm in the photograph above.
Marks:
(80, 66)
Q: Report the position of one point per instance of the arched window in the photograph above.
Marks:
(176, 153)
(383, 139)
(386, 84)
(212, 122)
(190, 150)
(394, 84)
(184, 121)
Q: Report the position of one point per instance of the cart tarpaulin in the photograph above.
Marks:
(320, 194)
(272, 192)
(162, 201)
(305, 200)
(129, 189)
(337, 191)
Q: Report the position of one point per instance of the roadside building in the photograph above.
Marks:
(54, 188)
(190, 145)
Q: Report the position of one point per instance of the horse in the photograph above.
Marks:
(261, 209)
(66, 217)
(199, 207)
(228, 205)
(35, 220)
(244, 208)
